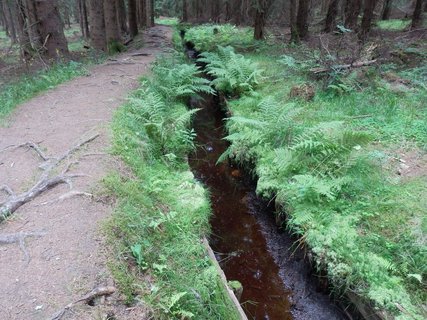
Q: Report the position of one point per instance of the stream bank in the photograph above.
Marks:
(277, 281)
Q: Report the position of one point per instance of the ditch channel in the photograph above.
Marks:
(278, 282)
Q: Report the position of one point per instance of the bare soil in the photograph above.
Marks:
(67, 258)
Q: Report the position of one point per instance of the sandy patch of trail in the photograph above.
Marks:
(66, 258)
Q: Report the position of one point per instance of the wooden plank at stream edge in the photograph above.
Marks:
(224, 280)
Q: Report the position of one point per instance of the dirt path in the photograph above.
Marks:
(66, 256)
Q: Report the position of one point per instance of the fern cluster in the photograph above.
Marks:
(158, 119)
(208, 37)
(232, 72)
(327, 184)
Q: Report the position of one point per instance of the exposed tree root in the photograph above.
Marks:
(46, 180)
(95, 293)
(19, 238)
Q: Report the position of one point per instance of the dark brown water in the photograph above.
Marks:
(237, 239)
(277, 284)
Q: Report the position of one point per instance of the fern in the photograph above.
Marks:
(233, 73)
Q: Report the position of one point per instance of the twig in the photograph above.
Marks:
(97, 292)
(344, 66)
(66, 196)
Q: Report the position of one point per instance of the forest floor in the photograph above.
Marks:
(63, 257)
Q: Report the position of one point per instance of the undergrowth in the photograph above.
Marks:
(162, 212)
(27, 87)
(208, 37)
(330, 165)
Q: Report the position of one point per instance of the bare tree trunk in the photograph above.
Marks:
(51, 29)
(22, 27)
(121, 16)
(417, 15)
(352, 10)
(386, 9)
(97, 24)
(143, 13)
(83, 19)
(331, 15)
(132, 18)
(33, 21)
(112, 33)
(302, 19)
(10, 24)
(293, 21)
(368, 12)
(184, 11)
(261, 11)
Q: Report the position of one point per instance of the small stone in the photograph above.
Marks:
(39, 307)
(114, 82)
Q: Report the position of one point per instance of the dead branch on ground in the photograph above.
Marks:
(46, 180)
(344, 66)
(19, 238)
(95, 293)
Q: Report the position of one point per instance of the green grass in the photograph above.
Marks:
(167, 21)
(393, 24)
(162, 212)
(330, 165)
(208, 37)
(27, 87)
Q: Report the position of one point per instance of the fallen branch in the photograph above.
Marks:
(20, 239)
(45, 182)
(343, 66)
(66, 196)
(95, 293)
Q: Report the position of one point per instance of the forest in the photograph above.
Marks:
(229, 159)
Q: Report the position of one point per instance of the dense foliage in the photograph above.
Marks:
(329, 168)
(163, 212)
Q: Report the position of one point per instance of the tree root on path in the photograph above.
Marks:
(19, 238)
(95, 293)
(46, 180)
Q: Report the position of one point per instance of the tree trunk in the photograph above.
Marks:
(97, 24)
(34, 32)
(386, 9)
(22, 27)
(112, 33)
(352, 10)
(51, 29)
(132, 18)
(121, 16)
(261, 11)
(293, 21)
(368, 12)
(417, 15)
(83, 20)
(331, 15)
(10, 23)
(184, 11)
(302, 19)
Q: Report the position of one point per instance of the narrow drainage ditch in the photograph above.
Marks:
(277, 281)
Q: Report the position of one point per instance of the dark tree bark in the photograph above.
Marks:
(112, 33)
(121, 16)
(33, 31)
(368, 13)
(417, 15)
(261, 11)
(97, 24)
(331, 15)
(352, 10)
(184, 11)
(51, 29)
(10, 24)
(83, 19)
(386, 9)
(302, 19)
(24, 37)
(132, 18)
(293, 21)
